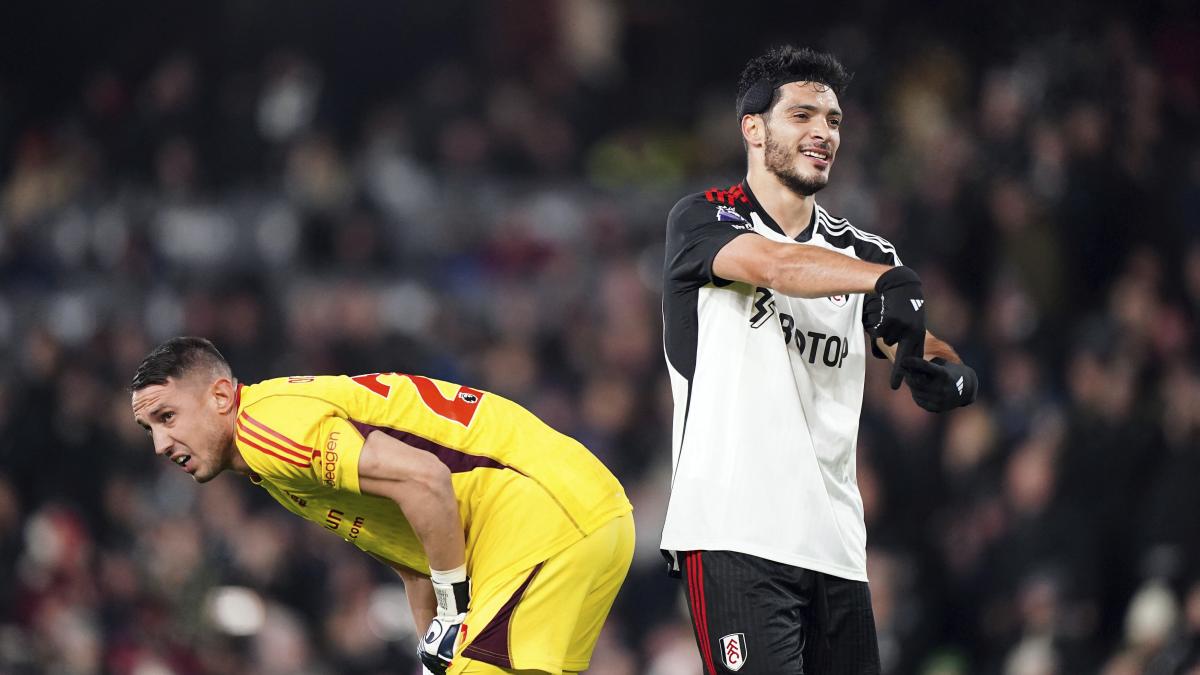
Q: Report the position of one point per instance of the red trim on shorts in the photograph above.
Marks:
(704, 606)
(695, 578)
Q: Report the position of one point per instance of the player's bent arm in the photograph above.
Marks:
(934, 348)
(803, 271)
(420, 485)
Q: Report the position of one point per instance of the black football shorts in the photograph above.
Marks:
(753, 616)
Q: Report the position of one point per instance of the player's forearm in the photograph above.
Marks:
(807, 271)
(935, 348)
(421, 599)
(432, 510)
(803, 271)
(420, 485)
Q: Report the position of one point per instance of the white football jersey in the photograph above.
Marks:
(768, 392)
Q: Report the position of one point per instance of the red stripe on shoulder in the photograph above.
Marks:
(304, 449)
(243, 428)
(731, 196)
(717, 195)
(738, 194)
(251, 444)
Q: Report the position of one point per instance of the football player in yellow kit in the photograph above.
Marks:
(511, 538)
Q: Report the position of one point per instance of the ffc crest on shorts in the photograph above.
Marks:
(733, 651)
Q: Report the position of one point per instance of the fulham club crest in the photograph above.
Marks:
(733, 651)
(839, 300)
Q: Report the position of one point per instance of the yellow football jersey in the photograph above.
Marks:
(524, 490)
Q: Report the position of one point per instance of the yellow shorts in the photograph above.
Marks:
(548, 618)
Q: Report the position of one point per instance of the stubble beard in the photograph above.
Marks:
(216, 455)
(782, 164)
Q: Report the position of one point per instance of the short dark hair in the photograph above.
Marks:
(175, 358)
(758, 86)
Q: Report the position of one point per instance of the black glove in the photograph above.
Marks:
(898, 316)
(940, 385)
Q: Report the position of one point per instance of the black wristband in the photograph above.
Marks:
(462, 595)
(895, 277)
(453, 598)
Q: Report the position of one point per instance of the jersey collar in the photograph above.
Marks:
(237, 404)
(805, 234)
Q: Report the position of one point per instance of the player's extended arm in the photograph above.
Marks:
(420, 485)
(802, 271)
(806, 271)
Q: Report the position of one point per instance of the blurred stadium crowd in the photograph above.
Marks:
(478, 191)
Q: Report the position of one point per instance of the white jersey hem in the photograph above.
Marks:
(807, 563)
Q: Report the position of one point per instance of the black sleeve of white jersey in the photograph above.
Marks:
(696, 230)
(876, 250)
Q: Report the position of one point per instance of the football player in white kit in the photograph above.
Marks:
(765, 303)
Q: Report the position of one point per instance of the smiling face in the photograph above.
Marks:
(799, 136)
(191, 421)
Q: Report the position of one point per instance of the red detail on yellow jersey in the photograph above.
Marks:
(261, 442)
(371, 381)
(460, 408)
(258, 441)
(300, 450)
(251, 444)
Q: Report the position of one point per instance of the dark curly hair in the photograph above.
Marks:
(758, 86)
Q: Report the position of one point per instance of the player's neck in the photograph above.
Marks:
(792, 212)
(234, 460)
(237, 462)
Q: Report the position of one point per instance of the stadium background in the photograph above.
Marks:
(478, 191)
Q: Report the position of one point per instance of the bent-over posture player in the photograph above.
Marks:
(511, 538)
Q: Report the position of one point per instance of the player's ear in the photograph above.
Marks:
(224, 394)
(753, 130)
